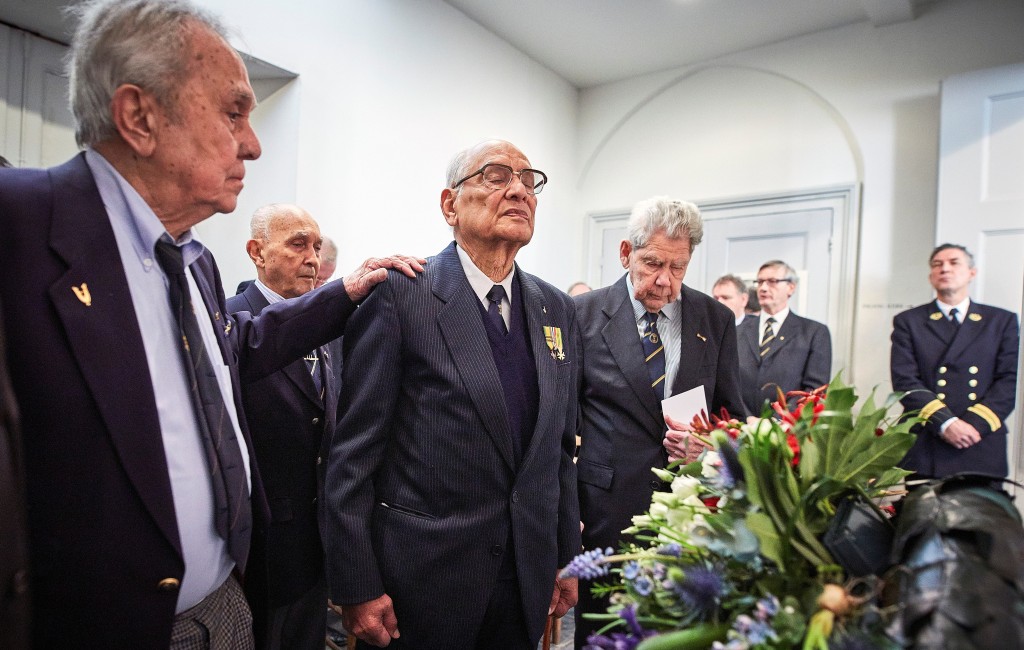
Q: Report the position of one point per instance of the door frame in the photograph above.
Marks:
(843, 200)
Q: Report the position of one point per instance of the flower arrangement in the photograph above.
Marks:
(731, 555)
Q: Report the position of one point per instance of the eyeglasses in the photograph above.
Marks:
(771, 282)
(497, 177)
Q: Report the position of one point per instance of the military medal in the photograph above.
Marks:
(553, 337)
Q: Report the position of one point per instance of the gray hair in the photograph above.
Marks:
(117, 42)
(259, 225)
(956, 247)
(779, 264)
(734, 280)
(678, 219)
(329, 250)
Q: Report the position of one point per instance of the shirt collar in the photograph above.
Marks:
(268, 293)
(478, 279)
(961, 308)
(779, 318)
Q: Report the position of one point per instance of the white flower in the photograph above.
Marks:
(710, 464)
(685, 486)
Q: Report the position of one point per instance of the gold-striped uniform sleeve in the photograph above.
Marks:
(931, 408)
(986, 414)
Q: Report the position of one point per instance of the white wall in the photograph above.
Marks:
(852, 105)
(388, 91)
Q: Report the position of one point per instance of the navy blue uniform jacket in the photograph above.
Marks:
(969, 372)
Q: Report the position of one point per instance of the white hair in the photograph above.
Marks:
(677, 219)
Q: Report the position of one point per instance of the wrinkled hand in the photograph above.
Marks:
(680, 444)
(373, 621)
(564, 597)
(373, 271)
(961, 434)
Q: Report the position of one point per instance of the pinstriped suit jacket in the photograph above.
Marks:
(422, 486)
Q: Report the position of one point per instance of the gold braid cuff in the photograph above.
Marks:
(986, 414)
(931, 408)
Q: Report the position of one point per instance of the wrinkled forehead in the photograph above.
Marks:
(211, 59)
(498, 152)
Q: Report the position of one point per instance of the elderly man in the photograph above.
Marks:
(731, 291)
(957, 360)
(451, 489)
(328, 262)
(291, 415)
(780, 350)
(646, 337)
(143, 495)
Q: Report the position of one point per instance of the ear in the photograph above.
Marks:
(625, 248)
(255, 251)
(448, 197)
(744, 298)
(136, 118)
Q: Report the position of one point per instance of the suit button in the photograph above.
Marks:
(316, 420)
(496, 550)
(515, 497)
(973, 370)
(941, 382)
(656, 485)
(168, 584)
(942, 370)
(941, 396)
(972, 383)
(972, 396)
(319, 459)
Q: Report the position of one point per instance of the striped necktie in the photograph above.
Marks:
(654, 351)
(769, 336)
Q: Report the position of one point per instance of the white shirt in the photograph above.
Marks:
(482, 284)
(780, 318)
(961, 309)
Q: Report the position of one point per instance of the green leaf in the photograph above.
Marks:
(768, 536)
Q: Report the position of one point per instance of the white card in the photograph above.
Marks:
(684, 406)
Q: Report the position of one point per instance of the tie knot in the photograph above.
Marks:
(496, 294)
(170, 259)
(770, 321)
(652, 318)
(953, 315)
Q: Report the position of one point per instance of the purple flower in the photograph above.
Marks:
(700, 590)
(621, 640)
(643, 585)
(673, 549)
(588, 566)
(630, 570)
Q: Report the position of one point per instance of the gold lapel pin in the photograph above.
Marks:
(936, 315)
(974, 317)
(701, 337)
(82, 293)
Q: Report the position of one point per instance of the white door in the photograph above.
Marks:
(981, 195)
(37, 122)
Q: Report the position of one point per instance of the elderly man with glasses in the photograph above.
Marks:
(451, 488)
(779, 349)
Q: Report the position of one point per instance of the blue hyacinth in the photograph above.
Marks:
(589, 565)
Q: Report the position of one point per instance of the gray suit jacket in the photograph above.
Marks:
(422, 486)
(800, 359)
(622, 426)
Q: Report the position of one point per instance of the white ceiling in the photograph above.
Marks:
(590, 42)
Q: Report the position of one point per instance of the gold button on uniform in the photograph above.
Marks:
(973, 370)
(941, 382)
(168, 584)
(941, 396)
(972, 396)
(972, 383)
(942, 370)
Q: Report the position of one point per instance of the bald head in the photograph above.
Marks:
(285, 246)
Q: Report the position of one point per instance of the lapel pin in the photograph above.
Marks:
(227, 327)
(974, 317)
(701, 337)
(544, 308)
(936, 315)
(82, 293)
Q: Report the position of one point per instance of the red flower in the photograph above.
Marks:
(711, 502)
(794, 446)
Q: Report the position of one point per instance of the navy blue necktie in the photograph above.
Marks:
(654, 351)
(494, 297)
(233, 516)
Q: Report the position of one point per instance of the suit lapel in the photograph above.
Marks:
(622, 338)
(938, 327)
(537, 317)
(749, 335)
(100, 332)
(693, 343)
(963, 336)
(790, 329)
(463, 330)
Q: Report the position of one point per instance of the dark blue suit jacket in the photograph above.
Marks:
(622, 426)
(969, 372)
(800, 359)
(422, 485)
(291, 426)
(103, 531)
